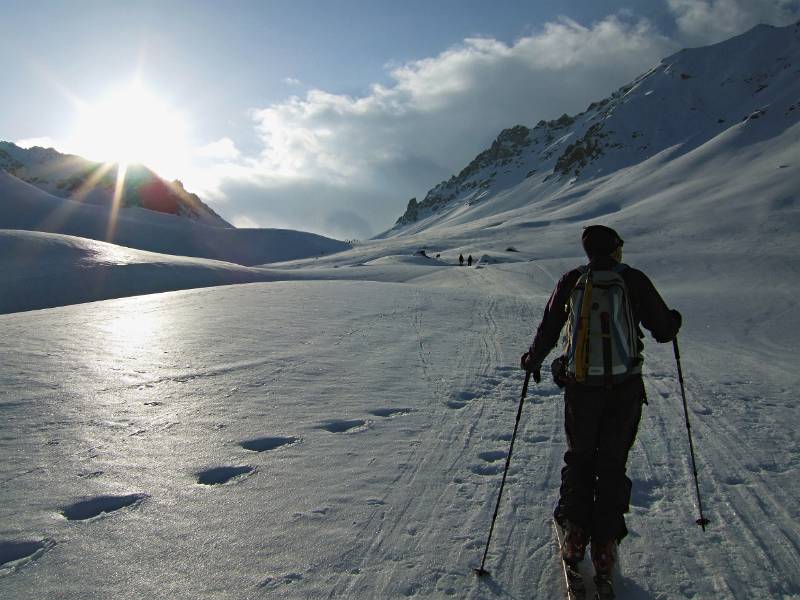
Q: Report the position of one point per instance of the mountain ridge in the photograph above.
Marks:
(687, 99)
(23, 206)
(72, 177)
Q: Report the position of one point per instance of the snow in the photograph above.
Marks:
(23, 206)
(337, 426)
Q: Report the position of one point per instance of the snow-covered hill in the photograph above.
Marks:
(23, 206)
(686, 101)
(43, 270)
(340, 431)
(73, 177)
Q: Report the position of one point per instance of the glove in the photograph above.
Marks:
(535, 368)
(559, 370)
(678, 317)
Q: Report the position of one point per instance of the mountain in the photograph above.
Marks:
(689, 99)
(26, 207)
(75, 178)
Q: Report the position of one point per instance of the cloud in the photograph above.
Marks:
(43, 142)
(292, 81)
(703, 22)
(224, 149)
(327, 158)
(306, 205)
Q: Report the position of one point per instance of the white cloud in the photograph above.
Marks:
(707, 21)
(44, 142)
(292, 81)
(368, 155)
(223, 149)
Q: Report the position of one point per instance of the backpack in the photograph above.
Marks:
(601, 342)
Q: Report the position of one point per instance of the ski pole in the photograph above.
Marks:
(480, 571)
(702, 521)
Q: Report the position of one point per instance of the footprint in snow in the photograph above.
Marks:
(93, 507)
(271, 583)
(492, 455)
(490, 469)
(265, 444)
(460, 400)
(391, 412)
(343, 425)
(733, 480)
(16, 553)
(220, 475)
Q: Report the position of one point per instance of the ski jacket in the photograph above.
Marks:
(649, 309)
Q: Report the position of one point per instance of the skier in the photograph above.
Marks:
(461, 259)
(603, 394)
(469, 260)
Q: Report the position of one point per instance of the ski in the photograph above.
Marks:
(581, 583)
(604, 588)
(576, 586)
(573, 578)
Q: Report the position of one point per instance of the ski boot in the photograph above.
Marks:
(603, 555)
(572, 541)
(574, 546)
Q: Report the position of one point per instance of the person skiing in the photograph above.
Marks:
(469, 260)
(461, 259)
(602, 403)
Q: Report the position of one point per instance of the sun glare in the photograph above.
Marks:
(132, 125)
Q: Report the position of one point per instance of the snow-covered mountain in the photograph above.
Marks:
(24, 206)
(687, 100)
(75, 178)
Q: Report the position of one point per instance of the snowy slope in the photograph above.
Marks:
(380, 415)
(23, 206)
(73, 177)
(43, 270)
(684, 102)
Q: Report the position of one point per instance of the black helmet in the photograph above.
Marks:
(599, 240)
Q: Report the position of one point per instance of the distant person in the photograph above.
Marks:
(469, 260)
(604, 391)
(461, 259)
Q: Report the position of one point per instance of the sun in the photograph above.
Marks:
(131, 124)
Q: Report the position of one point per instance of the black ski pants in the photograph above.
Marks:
(601, 425)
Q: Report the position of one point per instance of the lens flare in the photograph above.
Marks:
(133, 125)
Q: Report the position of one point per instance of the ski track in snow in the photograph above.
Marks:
(438, 422)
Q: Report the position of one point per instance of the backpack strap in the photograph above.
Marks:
(605, 332)
(582, 329)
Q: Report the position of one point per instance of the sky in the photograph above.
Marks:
(326, 116)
